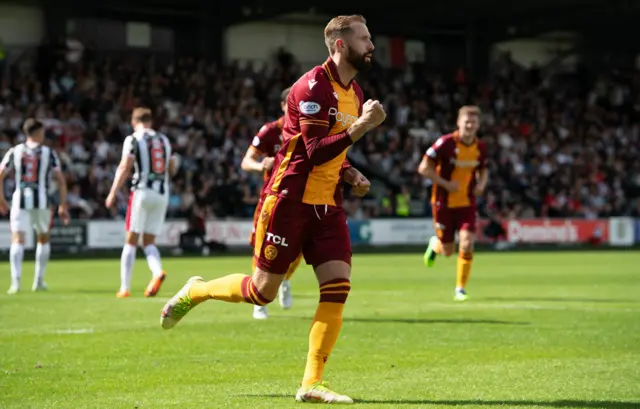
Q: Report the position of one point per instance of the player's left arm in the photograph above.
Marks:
(174, 158)
(357, 180)
(173, 165)
(122, 173)
(348, 172)
(482, 173)
(5, 167)
(124, 169)
(63, 210)
(262, 143)
(428, 168)
(424, 165)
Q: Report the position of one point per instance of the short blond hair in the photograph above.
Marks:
(338, 27)
(141, 115)
(469, 110)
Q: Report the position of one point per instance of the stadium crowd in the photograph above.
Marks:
(559, 146)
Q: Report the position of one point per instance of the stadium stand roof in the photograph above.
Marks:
(527, 17)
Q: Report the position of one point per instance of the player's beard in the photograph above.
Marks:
(358, 61)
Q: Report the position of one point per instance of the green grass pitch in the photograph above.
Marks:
(541, 330)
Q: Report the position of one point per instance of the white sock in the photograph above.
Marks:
(16, 254)
(43, 251)
(127, 260)
(153, 259)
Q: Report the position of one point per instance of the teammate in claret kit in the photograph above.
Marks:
(456, 165)
(267, 143)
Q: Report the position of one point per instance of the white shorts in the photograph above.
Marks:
(146, 212)
(21, 220)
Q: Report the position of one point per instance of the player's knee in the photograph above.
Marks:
(266, 285)
(148, 240)
(334, 280)
(267, 293)
(465, 254)
(332, 270)
(466, 238)
(132, 239)
(43, 238)
(447, 249)
(466, 247)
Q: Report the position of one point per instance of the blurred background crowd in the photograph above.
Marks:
(560, 145)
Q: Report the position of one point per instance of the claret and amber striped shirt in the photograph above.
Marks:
(459, 162)
(312, 159)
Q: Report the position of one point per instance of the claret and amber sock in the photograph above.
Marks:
(462, 276)
(232, 288)
(463, 269)
(325, 328)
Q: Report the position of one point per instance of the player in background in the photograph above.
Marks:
(303, 212)
(266, 143)
(456, 165)
(149, 152)
(32, 164)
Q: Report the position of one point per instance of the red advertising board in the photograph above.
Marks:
(557, 231)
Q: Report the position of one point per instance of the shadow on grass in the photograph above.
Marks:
(435, 321)
(393, 320)
(561, 299)
(561, 403)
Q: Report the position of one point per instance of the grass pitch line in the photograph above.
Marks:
(75, 331)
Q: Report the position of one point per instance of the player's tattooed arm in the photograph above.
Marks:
(348, 172)
(359, 183)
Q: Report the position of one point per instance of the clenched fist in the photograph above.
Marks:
(373, 113)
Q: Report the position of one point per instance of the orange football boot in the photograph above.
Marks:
(154, 285)
(123, 294)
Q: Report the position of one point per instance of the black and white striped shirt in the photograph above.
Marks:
(151, 151)
(32, 166)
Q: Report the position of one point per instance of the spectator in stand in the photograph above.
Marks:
(558, 146)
